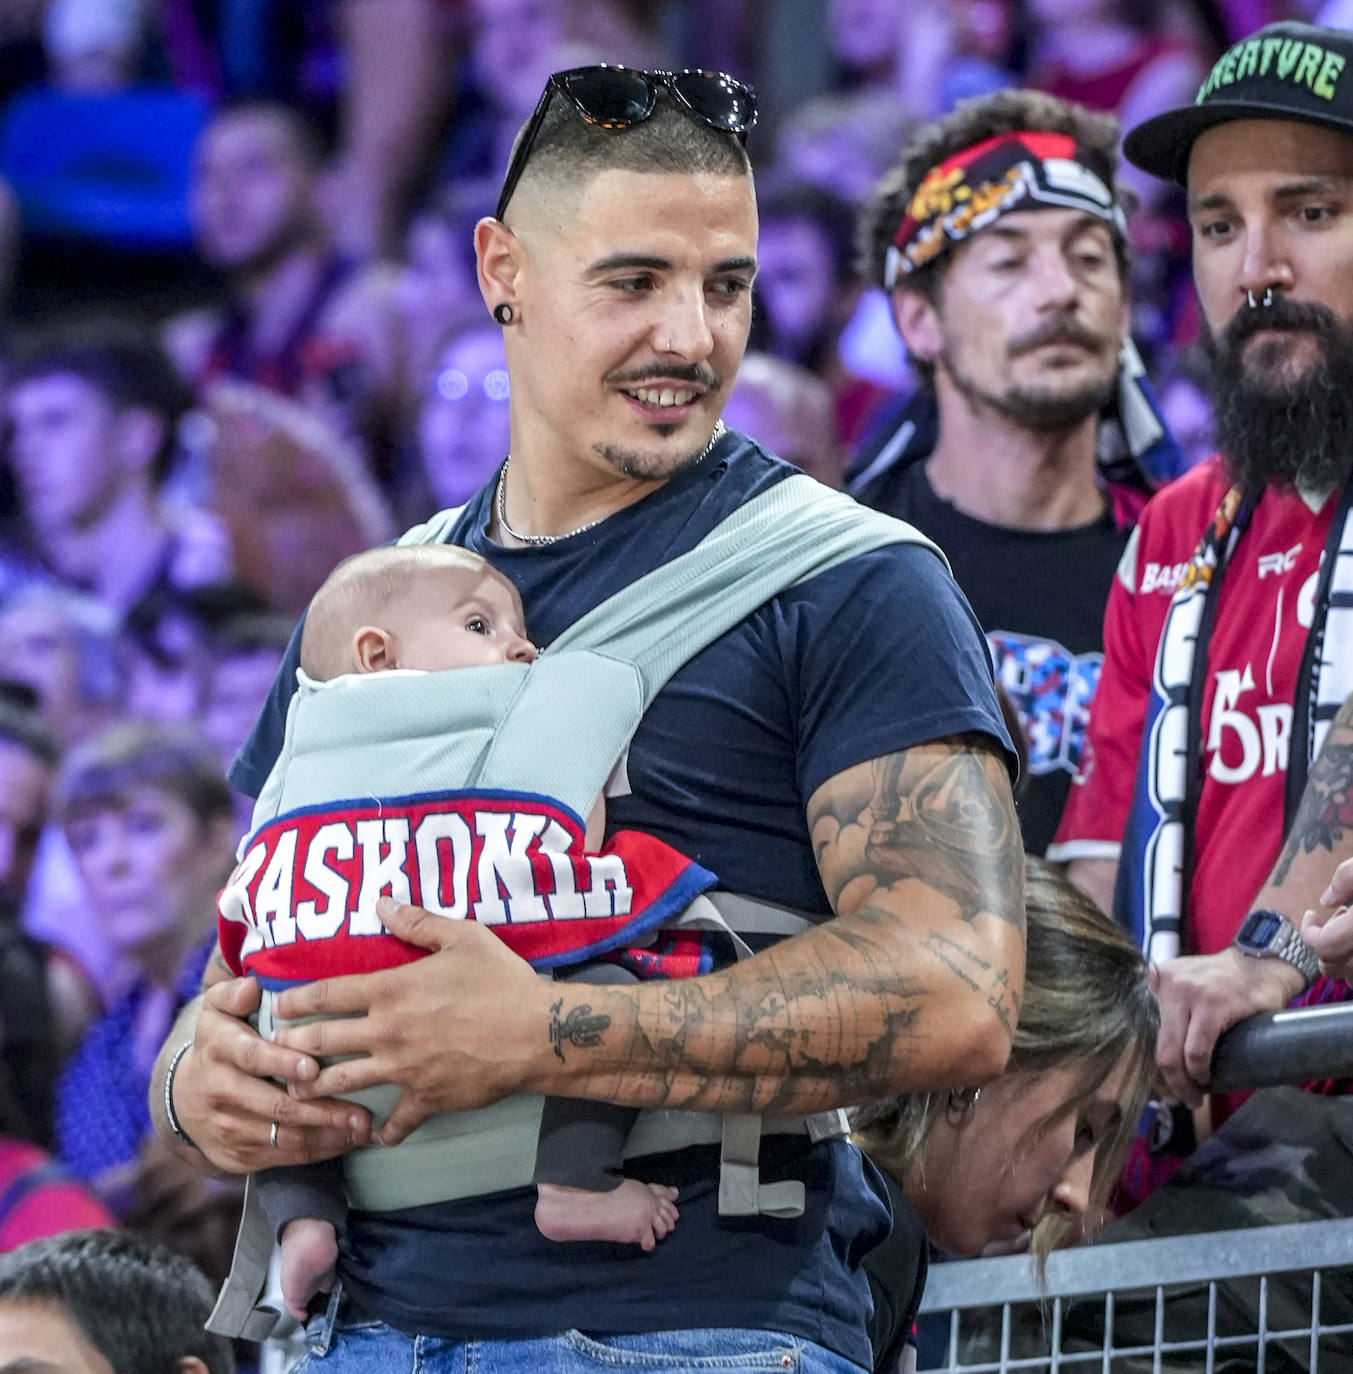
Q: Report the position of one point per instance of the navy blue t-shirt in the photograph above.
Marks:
(875, 655)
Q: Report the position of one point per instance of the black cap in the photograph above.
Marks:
(1285, 71)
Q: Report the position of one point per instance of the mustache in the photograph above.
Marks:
(1059, 331)
(1283, 315)
(697, 374)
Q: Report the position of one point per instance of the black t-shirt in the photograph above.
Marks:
(1040, 597)
(875, 655)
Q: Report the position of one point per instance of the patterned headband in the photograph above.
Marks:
(968, 191)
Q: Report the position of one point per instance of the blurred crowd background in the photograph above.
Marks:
(242, 338)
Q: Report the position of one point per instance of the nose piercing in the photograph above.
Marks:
(1265, 303)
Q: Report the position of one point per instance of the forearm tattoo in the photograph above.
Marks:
(921, 856)
(580, 1027)
(1325, 815)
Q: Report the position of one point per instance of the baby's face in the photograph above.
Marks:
(460, 619)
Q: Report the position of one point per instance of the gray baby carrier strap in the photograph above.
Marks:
(587, 692)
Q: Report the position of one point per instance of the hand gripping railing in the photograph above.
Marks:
(1298, 1046)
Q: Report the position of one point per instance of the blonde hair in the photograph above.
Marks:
(1086, 1002)
(358, 592)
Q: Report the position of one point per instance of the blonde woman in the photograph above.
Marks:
(1029, 1160)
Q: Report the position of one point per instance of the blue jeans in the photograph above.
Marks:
(373, 1346)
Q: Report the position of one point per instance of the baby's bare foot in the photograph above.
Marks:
(633, 1214)
(309, 1262)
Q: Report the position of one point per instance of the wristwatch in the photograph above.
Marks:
(1268, 934)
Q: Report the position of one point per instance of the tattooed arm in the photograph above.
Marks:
(914, 985)
(1205, 995)
(1312, 882)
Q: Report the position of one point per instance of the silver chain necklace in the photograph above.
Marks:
(536, 540)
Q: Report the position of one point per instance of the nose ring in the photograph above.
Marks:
(1265, 303)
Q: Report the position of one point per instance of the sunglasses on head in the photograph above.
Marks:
(620, 97)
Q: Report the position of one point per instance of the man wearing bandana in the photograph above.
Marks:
(1229, 632)
(1000, 241)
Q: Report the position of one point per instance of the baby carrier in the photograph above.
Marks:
(557, 728)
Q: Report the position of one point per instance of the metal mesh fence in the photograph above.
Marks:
(1268, 1300)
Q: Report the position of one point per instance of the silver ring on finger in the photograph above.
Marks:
(272, 1135)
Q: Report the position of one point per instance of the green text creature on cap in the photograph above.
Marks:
(1285, 71)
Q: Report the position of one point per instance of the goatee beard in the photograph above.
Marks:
(1290, 433)
(1044, 409)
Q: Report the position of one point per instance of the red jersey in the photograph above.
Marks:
(1264, 611)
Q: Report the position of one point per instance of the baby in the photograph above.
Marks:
(429, 609)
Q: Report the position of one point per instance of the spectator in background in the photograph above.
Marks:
(93, 409)
(105, 1302)
(45, 1002)
(842, 144)
(299, 318)
(436, 285)
(397, 59)
(1132, 60)
(788, 411)
(295, 494)
(1015, 332)
(60, 645)
(168, 644)
(39, 884)
(28, 755)
(94, 47)
(462, 422)
(246, 652)
(805, 292)
(513, 47)
(150, 821)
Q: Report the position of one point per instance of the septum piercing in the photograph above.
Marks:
(1265, 303)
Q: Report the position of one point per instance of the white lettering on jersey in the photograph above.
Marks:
(351, 863)
(272, 901)
(1264, 737)
(430, 840)
(385, 847)
(316, 922)
(1162, 577)
(504, 859)
(1275, 564)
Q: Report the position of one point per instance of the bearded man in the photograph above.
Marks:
(1228, 636)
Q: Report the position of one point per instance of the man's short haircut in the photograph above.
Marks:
(140, 1306)
(121, 358)
(22, 727)
(569, 151)
(99, 773)
(358, 591)
(972, 122)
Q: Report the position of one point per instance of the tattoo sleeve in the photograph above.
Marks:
(1325, 815)
(915, 984)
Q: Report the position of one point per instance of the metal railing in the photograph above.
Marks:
(1263, 1299)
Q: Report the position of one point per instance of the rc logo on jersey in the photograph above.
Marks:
(1275, 564)
(1051, 690)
